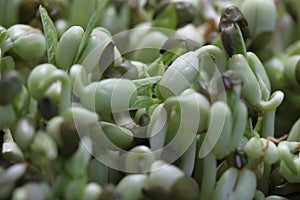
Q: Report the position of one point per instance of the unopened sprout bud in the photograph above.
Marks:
(68, 46)
(172, 180)
(130, 187)
(109, 95)
(257, 147)
(92, 191)
(270, 152)
(164, 175)
(28, 43)
(43, 148)
(24, 133)
(139, 159)
(253, 148)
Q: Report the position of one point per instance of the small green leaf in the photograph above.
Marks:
(96, 17)
(239, 46)
(50, 34)
(159, 65)
(144, 102)
(146, 81)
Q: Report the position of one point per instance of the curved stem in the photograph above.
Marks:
(65, 98)
(273, 103)
(270, 107)
(214, 56)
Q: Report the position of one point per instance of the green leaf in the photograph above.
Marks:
(96, 17)
(146, 81)
(239, 47)
(144, 102)
(50, 34)
(165, 60)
